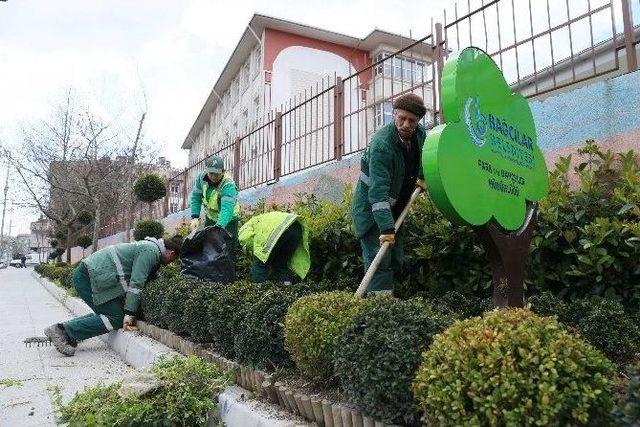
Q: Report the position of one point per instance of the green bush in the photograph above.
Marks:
(378, 353)
(154, 293)
(84, 241)
(605, 325)
(627, 411)
(335, 250)
(463, 305)
(149, 188)
(548, 304)
(184, 398)
(512, 367)
(174, 303)
(195, 317)
(311, 328)
(259, 338)
(85, 217)
(227, 308)
(148, 228)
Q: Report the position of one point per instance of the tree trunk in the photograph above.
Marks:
(96, 225)
(69, 243)
(150, 210)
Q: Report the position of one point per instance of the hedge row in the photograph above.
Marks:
(60, 273)
(373, 348)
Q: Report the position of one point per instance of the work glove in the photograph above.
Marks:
(391, 238)
(128, 324)
(423, 186)
(195, 223)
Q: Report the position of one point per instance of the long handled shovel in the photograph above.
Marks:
(385, 246)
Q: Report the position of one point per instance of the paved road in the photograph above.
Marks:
(26, 308)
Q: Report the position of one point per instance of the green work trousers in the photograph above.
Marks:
(232, 242)
(391, 264)
(106, 317)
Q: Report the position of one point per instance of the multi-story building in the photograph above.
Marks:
(286, 67)
(39, 239)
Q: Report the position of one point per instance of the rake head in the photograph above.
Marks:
(36, 341)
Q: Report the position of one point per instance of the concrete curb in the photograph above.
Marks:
(140, 351)
(136, 350)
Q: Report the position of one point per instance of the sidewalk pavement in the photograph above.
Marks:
(26, 373)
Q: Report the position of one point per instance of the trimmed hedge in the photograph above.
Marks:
(378, 353)
(195, 317)
(512, 367)
(311, 328)
(227, 308)
(259, 339)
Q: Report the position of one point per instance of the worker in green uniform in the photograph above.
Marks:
(390, 170)
(110, 281)
(280, 246)
(218, 193)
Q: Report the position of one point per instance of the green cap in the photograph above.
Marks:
(214, 164)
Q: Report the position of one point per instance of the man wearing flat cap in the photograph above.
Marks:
(217, 192)
(390, 170)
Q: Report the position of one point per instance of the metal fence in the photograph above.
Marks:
(540, 45)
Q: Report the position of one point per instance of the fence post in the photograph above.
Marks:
(236, 161)
(439, 53)
(277, 147)
(627, 20)
(338, 117)
(184, 189)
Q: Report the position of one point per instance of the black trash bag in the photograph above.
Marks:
(204, 255)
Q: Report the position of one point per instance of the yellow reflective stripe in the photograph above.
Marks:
(271, 241)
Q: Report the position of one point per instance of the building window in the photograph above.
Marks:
(401, 68)
(244, 77)
(174, 187)
(235, 91)
(383, 115)
(255, 62)
(173, 207)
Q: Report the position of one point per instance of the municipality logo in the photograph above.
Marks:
(475, 121)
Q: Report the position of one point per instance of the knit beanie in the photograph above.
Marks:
(412, 103)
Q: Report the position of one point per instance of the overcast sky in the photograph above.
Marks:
(175, 48)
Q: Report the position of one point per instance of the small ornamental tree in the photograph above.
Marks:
(84, 242)
(148, 228)
(85, 217)
(149, 188)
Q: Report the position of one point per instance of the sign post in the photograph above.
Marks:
(483, 166)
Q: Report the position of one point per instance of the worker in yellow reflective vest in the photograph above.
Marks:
(218, 193)
(279, 243)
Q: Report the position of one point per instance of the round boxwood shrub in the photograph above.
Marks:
(377, 355)
(85, 217)
(54, 243)
(259, 339)
(149, 188)
(548, 304)
(148, 228)
(311, 328)
(226, 308)
(84, 241)
(512, 367)
(605, 324)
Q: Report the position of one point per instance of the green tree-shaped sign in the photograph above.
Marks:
(484, 161)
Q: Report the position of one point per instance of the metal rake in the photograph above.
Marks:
(37, 341)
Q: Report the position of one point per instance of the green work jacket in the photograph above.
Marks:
(220, 202)
(261, 233)
(123, 269)
(381, 178)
